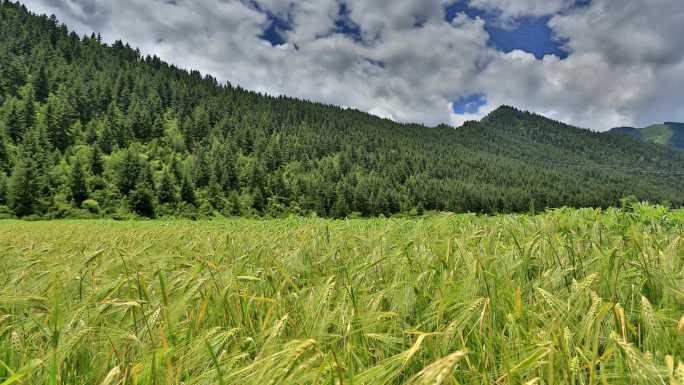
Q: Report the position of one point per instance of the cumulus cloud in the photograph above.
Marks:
(517, 8)
(402, 59)
(389, 16)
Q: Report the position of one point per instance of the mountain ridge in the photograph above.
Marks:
(669, 134)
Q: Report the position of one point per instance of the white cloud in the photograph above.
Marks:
(625, 62)
(515, 8)
(381, 16)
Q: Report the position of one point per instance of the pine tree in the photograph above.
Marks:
(227, 168)
(118, 124)
(22, 187)
(342, 193)
(77, 183)
(96, 161)
(146, 175)
(90, 134)
(141, 198)
(187, 192)
(3, 188)
(234, 201)
(106, 139)
(4, 154)
(36, 151)
(166, 192)
(139, 120)
(128, 171)
(17, 114)
(176, 169)
(200, 124)
(203, 169)
(259, 200)
(214, 191)
(11, 73)
(12, 118)
(27, 107)
(58, 115)
(40, 85)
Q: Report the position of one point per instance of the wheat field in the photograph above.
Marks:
(564, 297)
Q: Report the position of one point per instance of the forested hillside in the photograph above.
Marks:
(668, 134)
(94, 129)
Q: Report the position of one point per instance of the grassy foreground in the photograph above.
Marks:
(566, 297)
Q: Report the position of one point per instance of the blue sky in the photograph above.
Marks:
(527, 33)
(469, 104)
(530, 34)
(596, 64)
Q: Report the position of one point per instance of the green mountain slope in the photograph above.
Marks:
(668, 134)
(94, 129)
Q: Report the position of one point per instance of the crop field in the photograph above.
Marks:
(564, 297)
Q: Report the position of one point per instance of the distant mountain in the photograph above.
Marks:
(668, 134)
(90, 129)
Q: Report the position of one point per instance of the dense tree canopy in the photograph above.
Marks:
(89, 128)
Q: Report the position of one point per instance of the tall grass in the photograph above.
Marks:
(566, 297)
